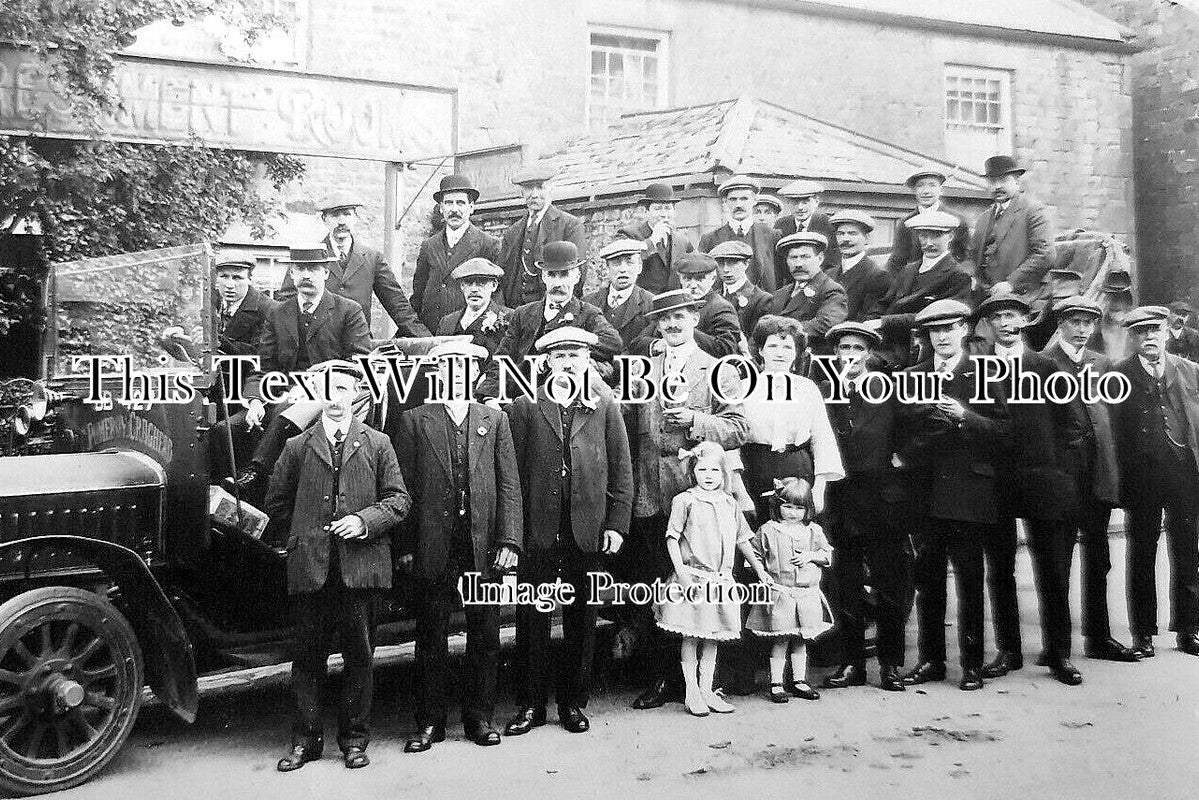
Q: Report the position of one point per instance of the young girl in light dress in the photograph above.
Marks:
(794, 552)
(705, 531)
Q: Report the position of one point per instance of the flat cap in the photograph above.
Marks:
(769, 200)
(853, 216)
(477, 267)
(734, 249)
(925, 173)
(995, 302)
(696, 264)
(738, 182)
(813, 238)
(1077, 305)
(338, 365)
(1143, 316)
(621, 247)
(235, 258)
(535, 172)
(342, 198)
(933, 221)
(558, 257)
(674, 299)
(455, 347)
(566, 336)
(801, 188)
(849, 327)
(942, 312)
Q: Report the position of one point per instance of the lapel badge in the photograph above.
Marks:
(809, 291)
(481, 431)
(742, 301)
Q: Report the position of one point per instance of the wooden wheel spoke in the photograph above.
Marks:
(11, 703)
(89, 676)
(84, 727)
(46, 641)
(90, 650)
(101, 701)
(61, 738)
(11, 678)
(16, 726)
(23, 653)
(68, 639)
(33, 747)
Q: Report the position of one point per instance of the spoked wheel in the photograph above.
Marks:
(70, 688)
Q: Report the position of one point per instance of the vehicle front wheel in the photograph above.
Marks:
(70, 688)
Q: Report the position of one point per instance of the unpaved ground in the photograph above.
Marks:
(1128, 731)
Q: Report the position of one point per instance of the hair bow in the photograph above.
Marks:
(685, 454)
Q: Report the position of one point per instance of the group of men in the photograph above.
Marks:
(558, 490)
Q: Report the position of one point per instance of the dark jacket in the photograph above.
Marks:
(434, 293)
(630, 318)
(751, 304)
(956, 466)
(1185, 345)
(338, 330)
(496, 517)
(601, 480)
(905, 247)
(819, 223)
(819, 306)
(864, 285)
(899, 307)
(762, 239)
(1139, 462)
(489, 338)
(556, 226)
(302, 498)
(1091, 456)
(1021, 250)
(241, 335)
(658, 265)
(718, 331)
(366, 273)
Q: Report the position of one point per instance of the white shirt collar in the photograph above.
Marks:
(231, 310)
(849, 263)
(1015, 351)
(547, 313)
(926, 263)
(468, 316)
(335, 246)
(331, 427)
(735, 287)
(457, 410)
(1155, 370)
(741, 228)
(950, 365)
(616, 297)
(454, 236)
(676, 357)
(1073, 353)
(315, 302)
(534, 221)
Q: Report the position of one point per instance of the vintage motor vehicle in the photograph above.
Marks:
(112, 574)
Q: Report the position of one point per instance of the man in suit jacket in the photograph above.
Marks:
(482, 317)
(719, 328)
(434, 291)
(1157, 441)
(458, 462)
(658, 429)
(339, 492)
(926, 184)
(738, 195)
(1184, 340)
(357, 272)
(869, 516)
(310, 328)
(524, 241)
(559, 308)
(623, 301)
(805, 217)
(952, 443)
(751, 302)
(936, 276)
(812, 298)
(577, 482)
(1063, 283)
(1091, 462)
(666, 245)
(1012, 239)
(864, 281)
(1035, 486)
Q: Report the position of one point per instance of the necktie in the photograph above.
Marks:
(338, 439)
(343, 253)
(307, 307)
(226, 318)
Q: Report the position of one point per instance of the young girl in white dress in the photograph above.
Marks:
(794, 552)
(705, 531)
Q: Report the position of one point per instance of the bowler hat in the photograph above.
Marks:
(477, 267)
(848, 328)
(733, 249)
(1143, 316)
(813, 238)
(339, 199)
(536, 172)
(852, 215)
(308, 254)
(942, 312)
(925, 173)
(801, 188)
(566, 336)
(558, 257)
(696, 264)
(456, 183)
(739, 182)
(998, 166)
(658, 193)
(674, 299)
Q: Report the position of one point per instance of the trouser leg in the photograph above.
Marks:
(434, 603)
(889, 558)
(931, 571)
(357, 626)
(1051, 547)
(1096, 563)
(1182, 531)
(965, 545)
(313, 631)
(1144, 528)
(1000, 550)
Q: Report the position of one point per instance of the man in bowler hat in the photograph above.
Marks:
(666, 244)
(523, 243)
(1013, 237)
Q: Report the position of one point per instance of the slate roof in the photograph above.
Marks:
(745, 135)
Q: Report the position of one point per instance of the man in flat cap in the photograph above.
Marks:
(524, 241)
(1091, 462)
(1184, 339)
(623, 301)
(577, 482)
(356, 271)
(1036, 486)
(767, 210)
(952, 444)
(660, 428)
(483, 317)
(805, 216)
(812, 298)
(750, 301)
(926, 184)
(1157, 441)
(738, 195)
(560, 272)
(339, 491)
(719, 328)
(1013, 238)
(865, 281)
(434, 291)
(870, 516)
(667, 244)
(936, 276)
(459, 463)
(1063, 283)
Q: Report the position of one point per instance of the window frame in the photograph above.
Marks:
(662, 40)
(1005, 128)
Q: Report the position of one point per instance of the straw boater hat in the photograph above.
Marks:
(339, 199)
(309, 254)
(674, 299)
